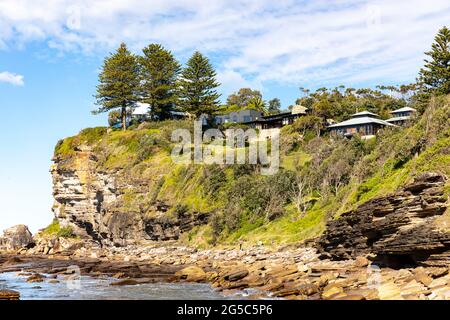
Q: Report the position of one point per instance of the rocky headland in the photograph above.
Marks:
(127, 218)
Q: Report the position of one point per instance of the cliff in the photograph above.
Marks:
(115, 199)
(409, 226)
(92, 203)
(120, 188)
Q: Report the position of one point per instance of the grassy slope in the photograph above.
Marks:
(143, 155)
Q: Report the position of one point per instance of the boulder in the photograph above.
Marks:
(236, 275)
(35, 278)
(361, 262)
(126, 282)
(191, 274)
(332, 291)
(16, 238)
(421, 276)
(9, 295)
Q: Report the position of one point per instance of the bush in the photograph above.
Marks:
(54, 229)
(214, 178)
(114, 117)
(66, 232)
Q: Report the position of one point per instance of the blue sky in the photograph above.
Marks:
(50, 53)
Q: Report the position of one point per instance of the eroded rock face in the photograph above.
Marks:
(91, 202)
(401, 228)
(16, 237)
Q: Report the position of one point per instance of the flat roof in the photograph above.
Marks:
(279, 116)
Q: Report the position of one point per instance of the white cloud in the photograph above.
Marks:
(11, 78)
(251, 41)
(231, 80)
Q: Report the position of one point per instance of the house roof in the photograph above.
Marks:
(364, 113)
(404, 109)
(275, 117)
(298, 109)
(360, 121)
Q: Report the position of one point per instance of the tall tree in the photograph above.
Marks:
(242, 98)
(435, 75)
(274, 106)
(257, 103)
(197, 87)
(159, 71)
(119, 83)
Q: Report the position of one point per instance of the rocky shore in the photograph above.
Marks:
(392, 247)
(288, 273)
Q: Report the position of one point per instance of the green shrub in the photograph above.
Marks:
(214, 178)
(54, 229)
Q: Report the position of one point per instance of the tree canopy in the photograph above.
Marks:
(159, 72)
(435, 75)
(274, 106)
(243, 97)
(119, 83)
(197, 87)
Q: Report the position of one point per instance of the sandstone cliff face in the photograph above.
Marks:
(90, 201)
(406, 227)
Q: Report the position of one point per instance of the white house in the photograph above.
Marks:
(401, 116)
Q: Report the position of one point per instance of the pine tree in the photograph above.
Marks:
(435, 75)
(197, 87)
(159, 71)
(119, 83)
(274, 106)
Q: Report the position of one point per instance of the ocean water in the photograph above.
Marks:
(88, 288)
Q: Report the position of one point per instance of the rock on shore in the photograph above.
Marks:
(15, 238)
(9, 295)
(288, 273)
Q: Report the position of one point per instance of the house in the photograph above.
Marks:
(241, 116)
(279, 120)
(364, 123)
(142, 113)
(401, 116)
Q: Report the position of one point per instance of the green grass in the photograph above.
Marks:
(140, 159)
(295, 160)
(290, 228)
(54, 229)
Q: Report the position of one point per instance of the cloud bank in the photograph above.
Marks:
(11, 78)
(251, 42)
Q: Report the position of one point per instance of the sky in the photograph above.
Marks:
(51, 52)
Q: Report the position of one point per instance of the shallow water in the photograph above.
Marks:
(88, 288)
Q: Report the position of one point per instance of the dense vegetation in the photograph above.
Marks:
(321, 176)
